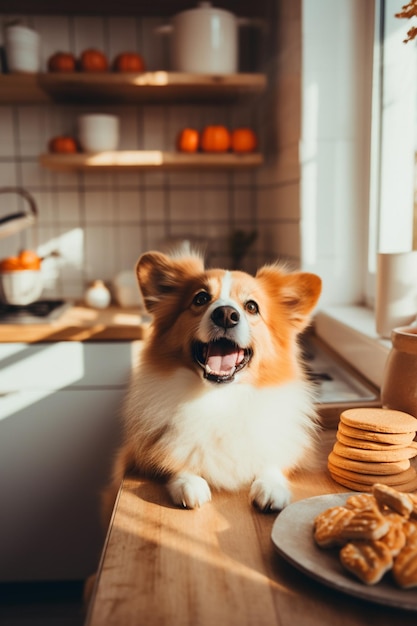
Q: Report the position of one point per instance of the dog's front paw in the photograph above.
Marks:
(189, 490)
(270, 492)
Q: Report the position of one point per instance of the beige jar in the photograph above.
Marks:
(399, 385)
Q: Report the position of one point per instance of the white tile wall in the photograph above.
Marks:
(101, 223)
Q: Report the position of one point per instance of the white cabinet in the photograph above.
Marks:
(64, 364)
(59, 405)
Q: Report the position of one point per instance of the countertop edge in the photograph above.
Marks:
(81, 323)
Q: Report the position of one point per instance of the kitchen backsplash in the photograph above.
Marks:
(100, 223)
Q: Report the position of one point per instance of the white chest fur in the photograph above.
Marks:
(227, 433)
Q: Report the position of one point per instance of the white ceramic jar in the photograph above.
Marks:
(22, 46)
(98, 132)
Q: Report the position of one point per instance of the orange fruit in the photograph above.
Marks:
(62, 144)
(128, 62)
(92, 60)
(244, 140)
(29, 260)
(62, 62)
(10, 264)
(215, 139)
(188, 140)
(26, 260)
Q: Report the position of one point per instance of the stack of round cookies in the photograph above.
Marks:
(374, 446)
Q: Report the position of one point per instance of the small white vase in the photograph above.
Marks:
(97, 295)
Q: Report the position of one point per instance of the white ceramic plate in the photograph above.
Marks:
(292, 535)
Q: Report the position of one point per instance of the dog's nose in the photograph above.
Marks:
(225, 316)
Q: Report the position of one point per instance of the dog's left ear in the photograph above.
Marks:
(298, 292)
(300, 295)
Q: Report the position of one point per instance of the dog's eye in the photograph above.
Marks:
(201, 298)
(251, 307)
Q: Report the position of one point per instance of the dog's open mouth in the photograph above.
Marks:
(221, 359)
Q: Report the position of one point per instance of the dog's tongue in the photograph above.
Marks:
(223, 358)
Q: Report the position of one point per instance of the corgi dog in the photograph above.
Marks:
(220, 399)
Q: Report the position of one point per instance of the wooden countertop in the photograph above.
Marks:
(81, 323)
(215, 566)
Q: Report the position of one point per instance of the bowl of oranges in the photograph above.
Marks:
(21, 278)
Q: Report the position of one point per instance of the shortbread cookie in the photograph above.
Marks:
(410, 529)
(379, 420)
(360, 501)
(370, 479)
(367, 560)
(387, 496)
(353, 485)
(361, 486)
(369, 435)
(328, 526)
(366, 524)
(413, 498)
(405, 565)
(395, 538)
(365, 444)
(405, 568)
(374, 456)
(364, 467)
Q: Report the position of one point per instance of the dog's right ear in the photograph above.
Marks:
(160, 275)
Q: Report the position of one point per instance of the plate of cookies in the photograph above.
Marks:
(360, 543)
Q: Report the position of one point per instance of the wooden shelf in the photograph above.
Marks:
(156, 8)
(112, 88)
(22, 89)
(148, 160)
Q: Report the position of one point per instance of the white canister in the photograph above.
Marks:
(126, 289)
(98, 132)
(396, 291)
(22, 46)
(204, 40)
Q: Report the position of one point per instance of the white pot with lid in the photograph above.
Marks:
(204, 40)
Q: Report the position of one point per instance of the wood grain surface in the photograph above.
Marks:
(215, 566)
(80, 323)
(149, 160)
(111, 87)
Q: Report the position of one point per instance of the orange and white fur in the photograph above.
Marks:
(219, 399)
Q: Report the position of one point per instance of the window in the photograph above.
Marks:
(386, 215)
(393, 137)
(357, 143)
